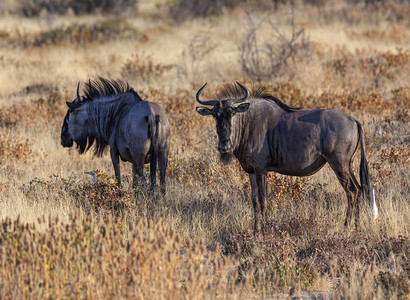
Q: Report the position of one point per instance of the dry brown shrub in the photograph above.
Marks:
(375, 70)
(395, 155)
(80, 34)
(389, 162)
(289, 93)
(182, 10)
(100, 196)
(352, 101)
(396, 34)
(142, 67)
(301, 248)
(7, 118)
(13, 148)
(286, 189)
(104, 196)
(47, 108)
(366, 12)
(401, 98)
(34, 8)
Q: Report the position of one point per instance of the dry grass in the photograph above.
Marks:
(63, 236)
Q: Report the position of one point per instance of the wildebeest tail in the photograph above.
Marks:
(364, 167)
(153, 124)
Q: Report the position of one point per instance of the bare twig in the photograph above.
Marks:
(277, 50)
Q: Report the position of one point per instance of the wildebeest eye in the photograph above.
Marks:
(230, 110)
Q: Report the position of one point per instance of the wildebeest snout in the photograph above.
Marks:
(66, 141)
(225, 147)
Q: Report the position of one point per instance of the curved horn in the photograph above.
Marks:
(243, 98)
(210, 102)
(79, 98)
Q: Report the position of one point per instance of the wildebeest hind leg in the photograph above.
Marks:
(349, 184)
(138, 177)
(356, 195)
(162, 165)
(153, 170)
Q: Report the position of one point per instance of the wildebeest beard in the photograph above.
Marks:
(226, 158)
(84, 143)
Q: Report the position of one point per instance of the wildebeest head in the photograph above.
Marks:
(75, 125)
(223, 111)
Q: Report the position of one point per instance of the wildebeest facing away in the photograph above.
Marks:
(265, 135)
(111, 113)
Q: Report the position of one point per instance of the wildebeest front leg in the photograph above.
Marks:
(261, 180)
(116, 164)
(258, 186)
(255, 202)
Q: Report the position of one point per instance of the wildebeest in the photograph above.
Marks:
(265, 134)
(111, 113)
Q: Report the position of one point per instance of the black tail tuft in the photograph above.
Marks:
(364, 167)
(153, 123)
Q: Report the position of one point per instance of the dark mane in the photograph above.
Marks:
(103, 87)
(232, 91)
(102, 116)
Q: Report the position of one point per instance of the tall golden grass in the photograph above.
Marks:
(63, 236)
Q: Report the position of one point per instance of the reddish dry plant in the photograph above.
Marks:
(383, 168)
(13, 148)
(144, 68)
(101, 196)
(286, 189)
(81, 34)
(298, 250)
(49, 108)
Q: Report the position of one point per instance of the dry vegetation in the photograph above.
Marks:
(63, 236)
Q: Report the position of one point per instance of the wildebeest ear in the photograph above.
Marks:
(72, 105)
(204, 111)
(242, 108)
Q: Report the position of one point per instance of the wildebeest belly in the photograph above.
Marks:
(301, 170)
(126, 155)
(294, 151)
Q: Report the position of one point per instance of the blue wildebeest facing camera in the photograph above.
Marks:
(112, 114)
(265, 134)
